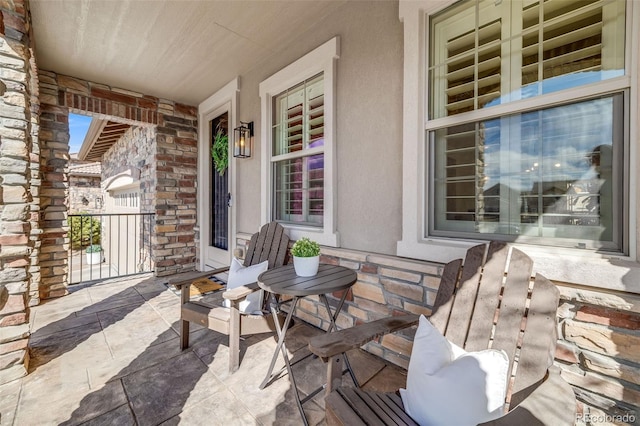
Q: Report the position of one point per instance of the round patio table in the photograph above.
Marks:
(284, 281)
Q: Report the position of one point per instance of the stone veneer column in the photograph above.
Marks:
(175, 191)
(54, 163)
(19, 172)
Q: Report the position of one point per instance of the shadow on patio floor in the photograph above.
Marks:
(109, 354)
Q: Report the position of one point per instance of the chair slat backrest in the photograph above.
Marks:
(488, 297)
(271, 244)
(479, 307)
(536, 354)
(444, 298)
(464, 300)
(512, 306)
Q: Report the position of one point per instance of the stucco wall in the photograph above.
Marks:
(369, 123)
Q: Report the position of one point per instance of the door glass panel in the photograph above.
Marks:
(219, 237)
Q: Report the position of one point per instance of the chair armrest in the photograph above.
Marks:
(240, 292)
(188, 277)
(331, 344)
(551, 403)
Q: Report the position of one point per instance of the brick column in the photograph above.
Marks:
(175, 192)
(54, 163)
(18, 128)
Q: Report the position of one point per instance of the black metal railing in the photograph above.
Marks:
(109, 245)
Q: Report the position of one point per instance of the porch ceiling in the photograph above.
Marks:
(178, 50)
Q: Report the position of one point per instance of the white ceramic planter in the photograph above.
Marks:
(306, 266)
(94, 258)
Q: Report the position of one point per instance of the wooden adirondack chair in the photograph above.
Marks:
(271, 244)
(469, 300)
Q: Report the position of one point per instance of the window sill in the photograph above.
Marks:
(564, 265)
(321, 236)
(327, 239)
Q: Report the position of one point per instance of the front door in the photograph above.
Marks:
(219, 226)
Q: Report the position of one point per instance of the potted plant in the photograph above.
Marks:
(306, 257)
(94, 254)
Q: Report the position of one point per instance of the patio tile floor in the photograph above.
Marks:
(108, 354)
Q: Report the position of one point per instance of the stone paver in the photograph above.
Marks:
(177, 383)
(109, 354)
(10, 394)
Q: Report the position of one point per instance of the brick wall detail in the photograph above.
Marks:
(135, 154)
(599, 351)
(84, 191)
(54, 165)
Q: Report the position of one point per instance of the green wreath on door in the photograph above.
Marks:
(220, 152)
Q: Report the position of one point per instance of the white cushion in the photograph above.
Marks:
(449, 386)
(241, 275)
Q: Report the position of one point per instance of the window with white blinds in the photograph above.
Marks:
(485, 53)
(549, 171)
(298, 146)
(466, 58)
(553, 173)
(298, 153)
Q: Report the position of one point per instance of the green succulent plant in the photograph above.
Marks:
(305, 247)
(95, 248)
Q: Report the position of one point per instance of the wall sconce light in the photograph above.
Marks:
(243, 140)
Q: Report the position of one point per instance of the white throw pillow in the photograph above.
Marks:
(241, 275)
(434, 349)
(449, 386)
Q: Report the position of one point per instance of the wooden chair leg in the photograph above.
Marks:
(335, 366)
(234, 337)
(184, 334)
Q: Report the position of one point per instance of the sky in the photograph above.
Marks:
(78, 125)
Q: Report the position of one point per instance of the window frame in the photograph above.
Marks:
(619, 162)
(321, 60)
(305, 153)
(562, 264)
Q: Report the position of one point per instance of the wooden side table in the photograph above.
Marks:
(284, 281)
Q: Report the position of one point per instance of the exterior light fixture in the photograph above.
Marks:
(243, 140)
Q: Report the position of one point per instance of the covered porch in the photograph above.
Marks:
(109, 352)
